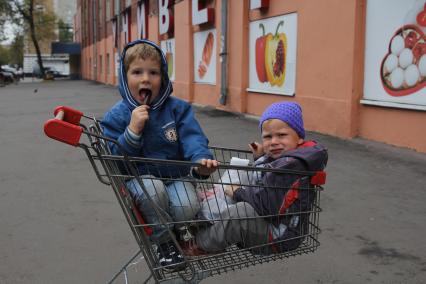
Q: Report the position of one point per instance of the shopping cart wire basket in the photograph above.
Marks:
(212, 209)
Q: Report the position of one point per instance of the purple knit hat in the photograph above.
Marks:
(289, 112)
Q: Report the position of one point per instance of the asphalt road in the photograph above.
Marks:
(59, 224)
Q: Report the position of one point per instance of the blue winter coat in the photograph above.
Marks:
(287, 193)
(268, 194)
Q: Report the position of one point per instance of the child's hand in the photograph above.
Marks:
(139, 117)
(207, 167)
(230, 189)
(256, 149)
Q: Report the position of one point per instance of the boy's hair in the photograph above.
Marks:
(143, 51)
(288, 112)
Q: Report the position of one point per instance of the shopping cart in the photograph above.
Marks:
(72, 127)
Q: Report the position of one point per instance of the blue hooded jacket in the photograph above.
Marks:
(171, 132)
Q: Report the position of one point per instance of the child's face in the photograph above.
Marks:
(144, 79)
(278, 137)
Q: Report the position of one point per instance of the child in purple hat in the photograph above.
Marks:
(283, 147)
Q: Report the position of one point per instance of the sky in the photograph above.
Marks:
(8, 31)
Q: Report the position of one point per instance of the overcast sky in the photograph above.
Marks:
(8, 32)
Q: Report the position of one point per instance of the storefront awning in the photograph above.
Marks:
(71, 48)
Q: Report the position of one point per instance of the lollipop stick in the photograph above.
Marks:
(146, 100)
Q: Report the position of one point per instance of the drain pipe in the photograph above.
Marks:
(118, 35)
(224, 52)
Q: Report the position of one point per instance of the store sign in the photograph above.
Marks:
(166, 21)
(395, 54)
(200, 13)
(272, 55)
(117, 63)
(168, 48)
(114, 32)
(126, 26)
(142, 19)
(205, 56)
(259, 4)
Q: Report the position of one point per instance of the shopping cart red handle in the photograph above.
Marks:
(319, 178)
(65, 127)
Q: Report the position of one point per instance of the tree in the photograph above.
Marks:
(12, 54)
(39, 23)
(4, 55)
(65, 32)
(16, 50)
(3, 18)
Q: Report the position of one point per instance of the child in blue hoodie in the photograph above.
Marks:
(149, 123)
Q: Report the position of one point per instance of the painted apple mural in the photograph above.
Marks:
(271, 56)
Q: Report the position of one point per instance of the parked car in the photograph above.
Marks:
(7, 77)
(20, 72)
(2, 79)
(49, 71)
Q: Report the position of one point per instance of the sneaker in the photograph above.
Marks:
(170, 257)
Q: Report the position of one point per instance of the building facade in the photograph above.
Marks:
(336, 58)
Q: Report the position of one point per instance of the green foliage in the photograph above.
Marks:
(45, 24)
(4, 55)
(65, 32)
(38, 23)
(3, 18)
(13, 54)
(16, 51)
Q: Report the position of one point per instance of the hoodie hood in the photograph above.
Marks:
(313, 155)
(123, 87)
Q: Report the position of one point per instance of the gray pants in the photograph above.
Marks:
(239, 224)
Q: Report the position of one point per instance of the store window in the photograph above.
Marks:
(108, 9)
(100, 64)
(126, 25)
(107, 63)
(142, 19)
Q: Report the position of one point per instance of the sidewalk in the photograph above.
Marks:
(30, 80)
(59, 222)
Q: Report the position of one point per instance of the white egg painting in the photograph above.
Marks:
(397, 78)
(422, 65)
(406, 58)
(411, 16)
(411, 75)
(395, 54)
(397, 45)
(391, 63)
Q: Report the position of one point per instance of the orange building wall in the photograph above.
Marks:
(394, 126)
(183, 86)
(329, 71)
